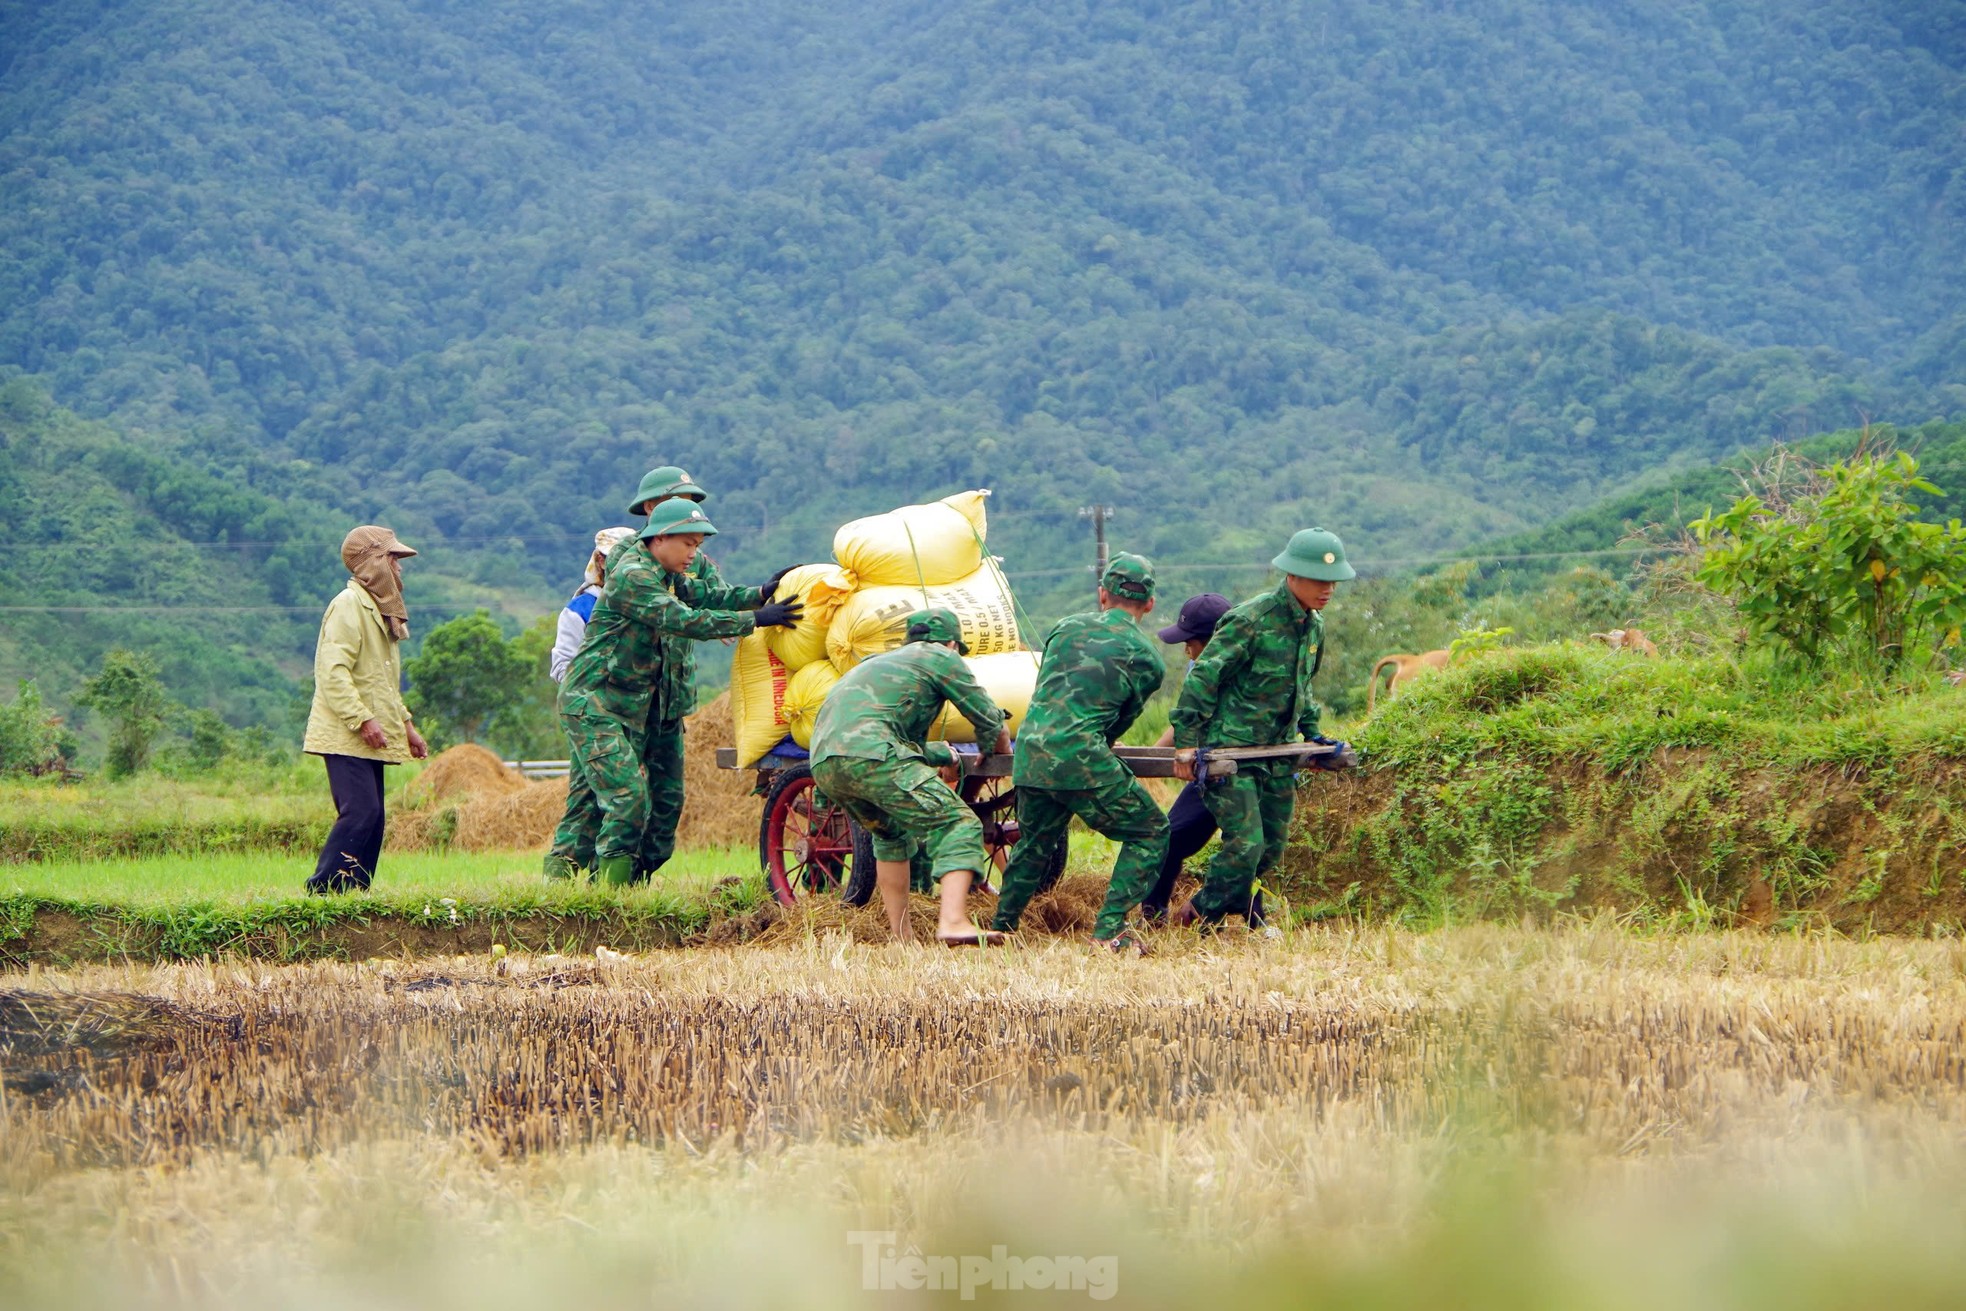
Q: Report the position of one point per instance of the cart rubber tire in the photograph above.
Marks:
(858, 889)
(786, 877)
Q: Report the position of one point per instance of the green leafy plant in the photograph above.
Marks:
(529, 724)
(466, 673)
(210, 740)
(30, 737)
(128, 692)
(1841, 561)
(1478, 641)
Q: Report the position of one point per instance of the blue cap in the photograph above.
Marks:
(1198, 617)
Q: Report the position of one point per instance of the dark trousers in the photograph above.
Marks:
(354, 844)
(1189, 827)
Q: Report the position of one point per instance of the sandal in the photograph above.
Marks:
(980, 938)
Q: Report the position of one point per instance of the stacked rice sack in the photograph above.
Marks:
(885, 567)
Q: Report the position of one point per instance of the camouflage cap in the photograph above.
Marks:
(679, 516)
(937, 626)
(1130, 576)
(668, 480)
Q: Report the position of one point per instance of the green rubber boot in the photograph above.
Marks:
(558, 868)
(615, 871)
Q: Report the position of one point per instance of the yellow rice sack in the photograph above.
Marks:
(1010, 678)
(874, 619)
(933, 544)
(823, 588)
(757, 699)
(805, 692)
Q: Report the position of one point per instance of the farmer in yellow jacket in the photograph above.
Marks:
(358, 722)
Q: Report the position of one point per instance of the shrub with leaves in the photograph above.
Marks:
(466, 673)
(30, 737)
(1478, 640)
(1842, 563)
(129, 694)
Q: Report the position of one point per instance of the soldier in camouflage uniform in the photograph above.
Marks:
(870, 755)
(1097, 673)
(1251, 687)
(662, 742)
(625, 669)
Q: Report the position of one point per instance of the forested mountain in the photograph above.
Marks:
(113, 543)
(1424, 272)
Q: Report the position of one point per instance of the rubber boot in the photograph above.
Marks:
(558, 868)
(615, 871)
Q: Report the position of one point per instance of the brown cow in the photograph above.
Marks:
(1627, 639)
(1404, 667)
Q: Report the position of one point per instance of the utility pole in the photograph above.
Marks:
(1099, 514)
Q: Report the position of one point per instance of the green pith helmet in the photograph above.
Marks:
(1130, 576)
(681, 516)
(666, 481)
(937, 626)
(1315, 553)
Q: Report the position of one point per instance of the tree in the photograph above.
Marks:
(210, 738)
(128, 692)
(529, 725)
(30, 737)
(466, 673)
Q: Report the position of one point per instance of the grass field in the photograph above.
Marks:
(1361, 1117)
(188, 907)
(241, 878)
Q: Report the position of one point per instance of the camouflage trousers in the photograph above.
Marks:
(901, 803)
(1122, 810)
(604, 763)
(579, 826)
(575, 840)
(1252, 807)
(662, 763)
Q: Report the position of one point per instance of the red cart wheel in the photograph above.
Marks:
(995, 802)
(803, 845)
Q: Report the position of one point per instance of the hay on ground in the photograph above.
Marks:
(467, 799)
(465, 771)
(721, 810)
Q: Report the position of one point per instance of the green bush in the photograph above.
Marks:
(30, 737)
(466, 673)
(128, 692)
(1844, 565)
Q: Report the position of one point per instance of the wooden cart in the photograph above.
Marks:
(809, 848)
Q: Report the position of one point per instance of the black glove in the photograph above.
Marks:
(779, 614)
(770, 589)
(1340, 757)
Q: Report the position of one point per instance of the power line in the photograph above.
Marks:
(1399, 562)
(1223, 567)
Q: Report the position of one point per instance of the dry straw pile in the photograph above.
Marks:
(466, 799)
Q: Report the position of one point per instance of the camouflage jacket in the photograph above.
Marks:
(634, 662)
(679, 657)
(1097, 673)
(1251, 686)
(884, 706)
